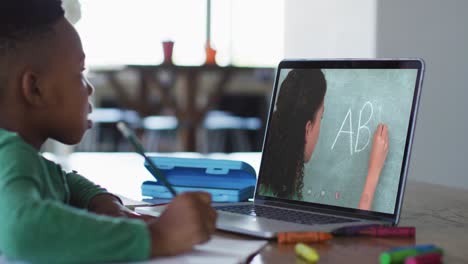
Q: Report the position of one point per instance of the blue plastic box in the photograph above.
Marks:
(226, 180)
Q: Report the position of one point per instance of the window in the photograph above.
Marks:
(244, 33)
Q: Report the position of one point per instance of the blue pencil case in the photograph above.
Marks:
(225, 180)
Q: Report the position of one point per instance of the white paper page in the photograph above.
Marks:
(217, 250)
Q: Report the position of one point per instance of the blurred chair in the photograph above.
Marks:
(160, 133)
(104, 136)
(226, 132)
(237, 124)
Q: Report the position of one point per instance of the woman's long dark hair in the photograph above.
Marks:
(300, 97)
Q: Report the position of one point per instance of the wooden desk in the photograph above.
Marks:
(440, 214)
(190, 115)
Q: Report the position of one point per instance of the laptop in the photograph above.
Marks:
(336, 149)
(329, 122)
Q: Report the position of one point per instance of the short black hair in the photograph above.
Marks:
(22, 22)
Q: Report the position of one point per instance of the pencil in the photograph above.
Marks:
(127, 132)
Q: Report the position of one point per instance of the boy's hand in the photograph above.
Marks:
(107, 204)
(188, 220)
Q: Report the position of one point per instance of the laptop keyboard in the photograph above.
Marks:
(283, 214)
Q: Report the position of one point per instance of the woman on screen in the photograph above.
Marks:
(295, 123)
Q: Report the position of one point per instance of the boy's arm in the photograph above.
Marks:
(189, 214)
(37, 227)
(86, 194)
(82, 190)
(41, 230)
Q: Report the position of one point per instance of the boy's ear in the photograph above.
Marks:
(30, 89)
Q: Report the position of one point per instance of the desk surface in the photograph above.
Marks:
(439, 213)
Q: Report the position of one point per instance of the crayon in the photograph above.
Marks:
(351, 230)
(389, 231)
(306, 252)
(426, 258)
(399, 256)
(426, 247)
(306, 237)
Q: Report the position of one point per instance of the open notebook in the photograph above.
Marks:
(217, 250)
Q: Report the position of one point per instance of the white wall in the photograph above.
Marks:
(329, 28)
(435, 30)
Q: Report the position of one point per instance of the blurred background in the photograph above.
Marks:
(209, 90)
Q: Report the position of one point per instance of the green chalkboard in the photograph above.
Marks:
(357, 100)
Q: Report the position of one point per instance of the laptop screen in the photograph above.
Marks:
(339, 133)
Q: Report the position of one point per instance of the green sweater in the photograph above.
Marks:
(43, 216)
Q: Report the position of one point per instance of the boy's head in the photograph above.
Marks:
(43, 92)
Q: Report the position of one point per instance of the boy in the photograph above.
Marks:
(48, 215)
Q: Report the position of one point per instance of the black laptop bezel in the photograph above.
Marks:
(412, 63)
